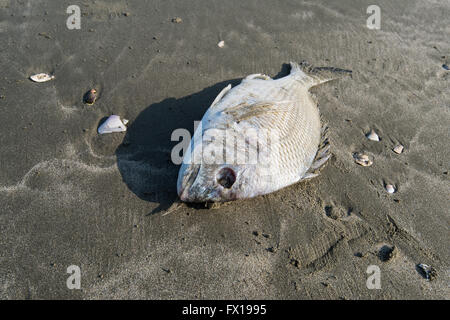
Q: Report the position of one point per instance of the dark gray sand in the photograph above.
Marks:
(72, 197)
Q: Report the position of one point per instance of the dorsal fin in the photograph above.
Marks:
(221, 94)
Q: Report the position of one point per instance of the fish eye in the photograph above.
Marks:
(226, 177)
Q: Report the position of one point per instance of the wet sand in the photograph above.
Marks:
(72, 197)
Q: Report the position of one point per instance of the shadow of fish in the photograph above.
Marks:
(256, 138)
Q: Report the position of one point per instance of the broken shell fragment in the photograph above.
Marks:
(398, 149)
(372, 135)
(42, 77)
(113, 124)
(362, 159)
(90, 96)
(390, 188)
(426, 271)
(221, 44)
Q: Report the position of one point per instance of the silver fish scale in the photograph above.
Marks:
(299, 128)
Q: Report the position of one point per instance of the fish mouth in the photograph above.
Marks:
(184, 195)
(204, 198)
(197, 195)
(201, 195)
(185, 182)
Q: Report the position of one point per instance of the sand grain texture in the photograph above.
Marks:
(72, 197)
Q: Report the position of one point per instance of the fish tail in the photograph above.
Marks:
(312, 76)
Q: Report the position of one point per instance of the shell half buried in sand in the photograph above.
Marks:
(362, 159)
(113, 124)
(426, 271)
(398, 149)
(42, 77)
(90, 96)
(390, 188)
(373, 136)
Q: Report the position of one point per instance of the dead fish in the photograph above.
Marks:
(290, 143)
(90, 96)
(42, 77)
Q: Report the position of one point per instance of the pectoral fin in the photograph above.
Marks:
(322, 156)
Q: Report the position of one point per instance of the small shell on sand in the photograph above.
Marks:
(113, 124)
(426, 271)
(372, 135)
(362, 159)
(390, 188)
(177, 20)
(398, 149)
(42, 77)
(90, 96)
(221, 44)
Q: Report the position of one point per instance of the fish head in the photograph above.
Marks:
(209, 183)
(217, 182)
(207, 175)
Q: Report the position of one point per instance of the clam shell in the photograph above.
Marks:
(398, 149)
(42, 77)
(372, 135)
(362, 159)
(427, 271)
(221, 44)
(390, 188)
(90, 96)
(112, 124)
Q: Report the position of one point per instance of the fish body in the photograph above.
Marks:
(254, 139)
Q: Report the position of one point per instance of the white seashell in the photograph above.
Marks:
(41, 77)
(398, 149)
(362, 159)
(112, 124)
(221, 44)
(390, 188)
(372, 135)
(427, 271)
